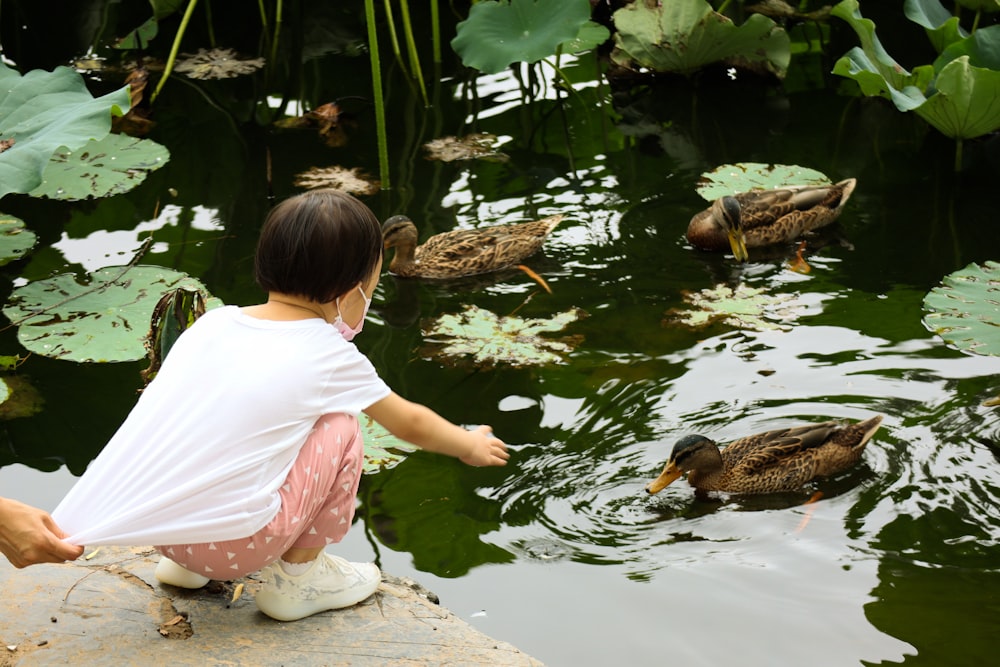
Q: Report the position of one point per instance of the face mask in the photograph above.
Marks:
(340, 325)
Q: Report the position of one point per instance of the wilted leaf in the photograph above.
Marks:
(486, 340)
(353, 181)
(44, 111)
(326, 118)
(15, 239)
(20, 398)
(683, 36)
(470, 147)
(729, 179)
(743, 307)
(216, 64)
(105, 320)
(965, 309)
(382, 449)
(111, 166)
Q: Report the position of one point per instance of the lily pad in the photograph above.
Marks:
(744, 307)
(965, 309)
(497, 34)
(216, 64)
(486, 340)
(729, 179)
(383, 450)
(105, 320)
(682, 36)
(15, 239)
(41, 112)
(111, 166)
(353, 181)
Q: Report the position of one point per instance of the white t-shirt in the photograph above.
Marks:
(211, 439)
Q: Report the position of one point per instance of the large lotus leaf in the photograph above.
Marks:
(43, 111)
(967, 101)
(485, 340)
(942, 26)
(684, 35)
(105, 320)
(985, 5)
(497, 34)
(874, 69)
(382, 449)
(110, 166)
(982, 49)
(965, 309)
(15, 240)
(729, 179)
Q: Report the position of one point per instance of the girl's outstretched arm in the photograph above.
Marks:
(428, 430)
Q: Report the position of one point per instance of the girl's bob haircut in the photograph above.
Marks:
(318, 245)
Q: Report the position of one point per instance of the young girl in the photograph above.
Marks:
(245, 452)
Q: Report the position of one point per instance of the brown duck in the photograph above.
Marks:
(462, 252)
(765, 217)
(781, 460)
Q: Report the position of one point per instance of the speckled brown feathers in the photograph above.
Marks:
(780, 460)
(463, 252)
(766, 217)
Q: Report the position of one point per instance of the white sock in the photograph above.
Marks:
(295, 569)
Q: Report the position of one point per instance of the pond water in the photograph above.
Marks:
(562, 553)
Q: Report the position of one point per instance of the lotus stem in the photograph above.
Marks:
(383, 148)
(208, 19)
(411, 49)
(277, 31)
(393, 39)
(436, 30)
(174, 48)
(958, 155)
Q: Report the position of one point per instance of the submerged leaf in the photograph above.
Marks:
(105, 320)
(15, 239)
(744, 307)
(965, 309)
(216, 64)
(353, 181)
(486, 340)
(728, 179)
(111, 166)
(470, 147)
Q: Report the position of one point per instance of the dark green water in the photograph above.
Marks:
(562, 553)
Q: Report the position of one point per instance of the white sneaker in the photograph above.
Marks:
(331, 583)
(169, 572)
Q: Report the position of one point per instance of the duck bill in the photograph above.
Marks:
(739, 244)
(670, 473)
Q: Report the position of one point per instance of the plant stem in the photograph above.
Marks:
(174, 48)
(411, 49)
(958, 155)
(383, 148)
(277, 31)
(436, 30)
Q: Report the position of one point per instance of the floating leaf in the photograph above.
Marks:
(105, 320)
(743, 307)
(111, 166)
(497, 34)
(353, 181)
(965, 309)
(382, 449)
(729, 179)
(470, 147)
(683, 36)
(487, 340)
(216, 64)
(44, 111)
(15, 239)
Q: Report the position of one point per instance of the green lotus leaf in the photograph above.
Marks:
(382, 449)
(110, 166)
(984, 5)
(965, 309)
(942, 26)
(140, 37)
(497, 34)
(967, 103)
(729, 179)
(982, 49)
(15, 239)
(42, 112)
(684, 35)
(105, 320)
(487, 340)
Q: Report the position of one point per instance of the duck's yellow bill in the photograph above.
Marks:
(670, 473)
(739, 244)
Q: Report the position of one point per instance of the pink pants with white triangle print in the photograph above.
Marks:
(318, 500)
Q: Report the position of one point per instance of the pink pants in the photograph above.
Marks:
(317, 506)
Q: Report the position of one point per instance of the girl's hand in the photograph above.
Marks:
(487, 449)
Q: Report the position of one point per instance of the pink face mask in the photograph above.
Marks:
(340, 325)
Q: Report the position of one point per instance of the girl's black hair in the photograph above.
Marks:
(318, 245)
